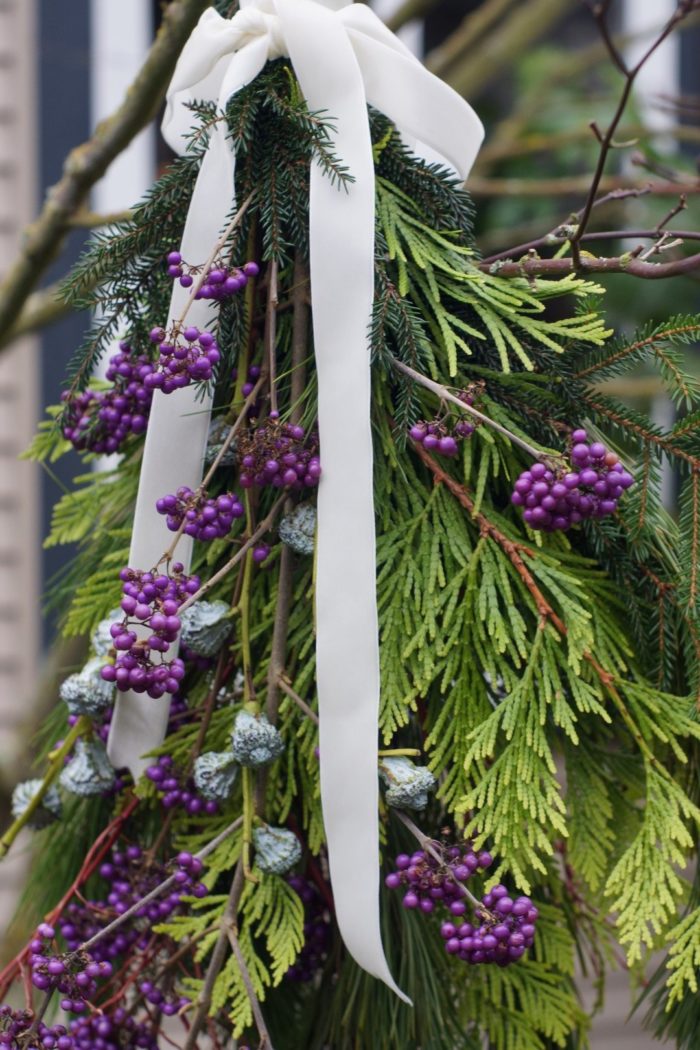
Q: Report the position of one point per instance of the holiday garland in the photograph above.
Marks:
(539, 646)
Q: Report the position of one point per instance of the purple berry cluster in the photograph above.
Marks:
(14, 1024)
(441, 435)
(317, 931)
(205, 518)
(185, 357)
(100, 420)
(430, 881)
(220, 282)
(150, 601)
(176, 792)
(74, 976)
(556, 500)
(130, 878)
(506, 927)
(278, 454)
(115, 1030)
(435, 438)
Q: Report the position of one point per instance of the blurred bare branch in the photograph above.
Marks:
(88, 162)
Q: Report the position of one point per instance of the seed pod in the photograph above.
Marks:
(205, 627)
(89, 772)
(276, 849)
(86, 693)
(214, 774)
(254, 742)
(48, 810)
(407, 784)
(297, 529)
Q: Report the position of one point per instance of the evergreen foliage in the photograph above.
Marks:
(578, 769)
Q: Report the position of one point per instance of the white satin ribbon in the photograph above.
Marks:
(344, 58)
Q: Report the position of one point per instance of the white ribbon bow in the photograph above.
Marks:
(344, 58)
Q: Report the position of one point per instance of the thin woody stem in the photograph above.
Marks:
(167, 556)
(212, 256)
(265, 1041)
(446, 395)
(56, 760)
(427, 844)
(271, 332)
(262, 528)
(159, 889)
(301, 704)
(217, 960)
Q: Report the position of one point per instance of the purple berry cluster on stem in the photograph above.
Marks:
(221, 280)
(15, 1025)
(555, 499)
(100, 420)
(280, 455)
(204, 518)
(74, 976)
(176, 792)
(130, 877)
(150, 601)
(185, 356)
(436, 877)
(504, 929)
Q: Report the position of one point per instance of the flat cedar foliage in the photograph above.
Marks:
(550, 680)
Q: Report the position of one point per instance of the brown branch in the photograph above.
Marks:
(588, 264)
(265, 1041)
(409, 10)
(560, 235)
(515, 552)
(87, 163)
(573, 185)
(218, 957)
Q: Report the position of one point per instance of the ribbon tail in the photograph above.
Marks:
(341, 234)
(173, 452)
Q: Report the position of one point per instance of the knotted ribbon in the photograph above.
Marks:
(344, 58)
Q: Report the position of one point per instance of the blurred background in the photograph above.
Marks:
(536, 71)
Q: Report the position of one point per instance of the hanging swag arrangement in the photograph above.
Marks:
(371, 523)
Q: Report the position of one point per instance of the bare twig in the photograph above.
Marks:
(560, 236)
(265, 1041)
(571, 185)
(88, 162)
(534, 267)
(158, 890)
(301, 704)
(446, 395)
(217, 960)
(271, 332)
(607, 138)
(262, 528)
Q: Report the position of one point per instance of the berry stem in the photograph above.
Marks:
(244, 612)
(168, 555)
(83, 725)
(265, 1041)
(428, 845)
(271, 331)
(445, 394)
(248, 817)
(218, 957)
(262, 528)
(301, 704)
(157, 890)
(212, 256)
